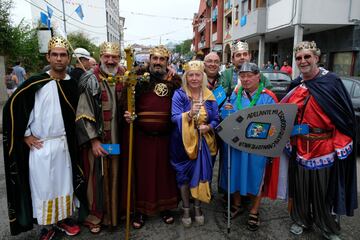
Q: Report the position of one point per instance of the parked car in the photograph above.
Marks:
(352, 85)
(280, 82)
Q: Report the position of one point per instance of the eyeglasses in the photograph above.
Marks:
(305, 57)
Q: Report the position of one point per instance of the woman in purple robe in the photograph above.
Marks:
(193, 145)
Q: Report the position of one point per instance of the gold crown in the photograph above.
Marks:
(58, 42)
(110, 48)
(240, 46)
(194, 65)
(160, 50)
(307, 46)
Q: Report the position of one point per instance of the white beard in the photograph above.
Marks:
(107, 70)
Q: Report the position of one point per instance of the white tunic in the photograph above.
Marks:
(50, 169)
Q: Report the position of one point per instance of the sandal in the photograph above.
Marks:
(139, 221)
(186, 221)
(167, 217)
(93, 228)
(253, 222)
(296, 229)
(235, 211)
(200, 219)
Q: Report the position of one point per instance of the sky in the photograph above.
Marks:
(146, 22)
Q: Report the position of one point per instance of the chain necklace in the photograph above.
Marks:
(253, 101)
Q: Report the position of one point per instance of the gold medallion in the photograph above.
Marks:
(161, 89)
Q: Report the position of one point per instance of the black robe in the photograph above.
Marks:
(16, 115)
(330, 93)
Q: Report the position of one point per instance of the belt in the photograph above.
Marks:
(52, 137)
(311, 137)
(319, 130)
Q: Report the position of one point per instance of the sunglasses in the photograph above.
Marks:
(305, 57)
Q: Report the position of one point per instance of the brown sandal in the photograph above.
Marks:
(253, 222)
(93, 228)
(139, 221)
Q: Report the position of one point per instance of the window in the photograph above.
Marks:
(348, 84)
(260, 3)
(356, 93)
(342, 63)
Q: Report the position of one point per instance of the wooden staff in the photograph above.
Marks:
(131, 83)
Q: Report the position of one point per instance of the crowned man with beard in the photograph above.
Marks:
(155, 184)
(98, 123)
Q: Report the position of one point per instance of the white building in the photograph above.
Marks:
(101, 20)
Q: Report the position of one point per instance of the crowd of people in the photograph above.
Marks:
(61, 126)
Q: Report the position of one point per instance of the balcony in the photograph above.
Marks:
(202, 26)
(252, 24)
(227, 8)
(214, 37)
(201, 45)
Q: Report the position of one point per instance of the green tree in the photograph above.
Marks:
(184, 47)
(79, 39)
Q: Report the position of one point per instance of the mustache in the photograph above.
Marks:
(157, 65)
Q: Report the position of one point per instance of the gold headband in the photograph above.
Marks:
(160, 51)
(194, 65)
(307, 46)
(58, 42)
(240, 46)
(110, 48)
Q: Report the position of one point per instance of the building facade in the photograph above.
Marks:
(113, 25)
(273, 27)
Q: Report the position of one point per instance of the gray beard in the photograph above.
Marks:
(108, 71)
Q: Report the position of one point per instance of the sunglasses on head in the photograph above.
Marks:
(305, 57)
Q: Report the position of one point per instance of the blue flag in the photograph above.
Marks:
(300, 129)
(220, 94)
(243, 21)
(79, 12)
(112, 149)
(50, 11)
(44, 19)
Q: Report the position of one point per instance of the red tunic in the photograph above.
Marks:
(155, 183)
(319, 153)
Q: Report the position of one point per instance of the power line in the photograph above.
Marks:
(101, 33)
(157, 16)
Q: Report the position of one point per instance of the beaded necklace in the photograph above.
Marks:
(253, 101)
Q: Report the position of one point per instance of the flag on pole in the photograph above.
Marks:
(50, 11)
(79, 12)
(44, 19)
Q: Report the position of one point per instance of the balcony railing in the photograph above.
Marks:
(214, 37)
(202, 26)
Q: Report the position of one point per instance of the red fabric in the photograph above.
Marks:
(156, 188)
(286, 69)
(316, 118)
(271, 94)
(271, 179)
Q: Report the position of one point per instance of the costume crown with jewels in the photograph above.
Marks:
(110, 48)
(240, 46)
(58, 42)
(160, 50)
(307, 46)
(194, 65)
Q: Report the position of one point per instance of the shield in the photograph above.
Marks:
(262, 130)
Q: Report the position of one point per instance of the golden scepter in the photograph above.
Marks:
(131, 83)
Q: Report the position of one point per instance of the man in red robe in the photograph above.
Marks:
(322, 169)
(155, 184)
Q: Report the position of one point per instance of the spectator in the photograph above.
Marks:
(286, 68)
(11, 81)
(19, 71)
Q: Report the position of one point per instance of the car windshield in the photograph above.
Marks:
(277, 76)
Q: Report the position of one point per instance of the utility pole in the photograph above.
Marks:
(64, 20)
